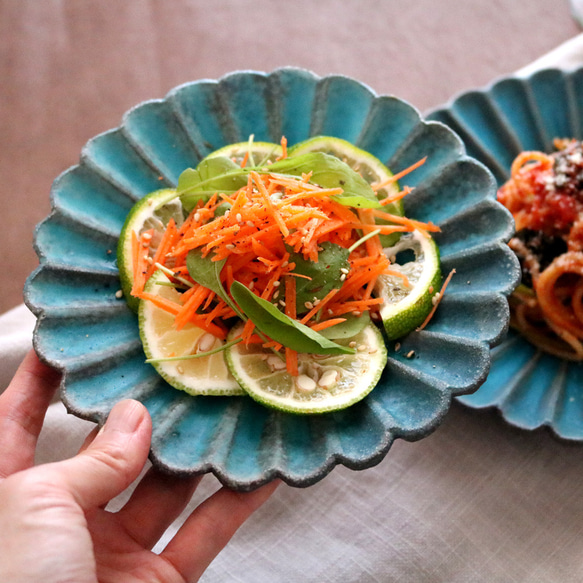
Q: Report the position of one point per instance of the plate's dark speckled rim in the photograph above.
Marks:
(89, 334)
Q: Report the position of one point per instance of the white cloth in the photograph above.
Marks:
(477, 501)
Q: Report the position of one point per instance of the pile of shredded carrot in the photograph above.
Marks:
(268, 216)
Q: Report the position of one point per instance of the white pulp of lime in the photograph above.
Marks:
(325, 383)
(207, 375)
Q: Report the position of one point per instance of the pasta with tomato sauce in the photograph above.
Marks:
(545, 196)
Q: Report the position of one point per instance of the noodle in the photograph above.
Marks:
(545, 196)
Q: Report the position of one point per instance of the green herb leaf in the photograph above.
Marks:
(211, 175)
(330, 172)
(347, 329)
(325, 274)
(282, 328)
(208, 274)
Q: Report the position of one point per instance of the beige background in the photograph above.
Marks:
(70, 68)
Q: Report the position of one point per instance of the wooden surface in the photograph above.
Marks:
(69, 69)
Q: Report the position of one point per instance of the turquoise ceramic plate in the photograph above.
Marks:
(531, 389)
(89, 334)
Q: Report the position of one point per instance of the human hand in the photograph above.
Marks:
(53, 522)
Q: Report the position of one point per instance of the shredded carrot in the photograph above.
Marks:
(283, 148)
(378, 186)
(140, 246)
(161, 302)
(327, 323)
(438, 300)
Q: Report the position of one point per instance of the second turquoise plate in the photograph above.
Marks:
(531, 389)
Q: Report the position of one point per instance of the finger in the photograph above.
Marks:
(210, 527)
(112, 461)
(156, 502)
(23, 406)
(89, 439)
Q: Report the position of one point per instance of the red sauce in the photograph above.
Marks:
(553, 199)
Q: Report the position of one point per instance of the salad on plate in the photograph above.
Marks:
(279, 273)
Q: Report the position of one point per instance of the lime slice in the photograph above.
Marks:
(367, 165)
(406, 307)
(259, 152)
(154, 211)
(207, 375)
(325, 383)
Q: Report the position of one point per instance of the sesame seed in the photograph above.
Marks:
(276, 283)
(276, 294)
(362, 348)
(328, 379)
(356, 313)
(239, 217)
(230, 246)
(410, 354)
(397, 346)
(343, 277)
(250, 224)
(305, 384)
(206, 342)
(344, 270)
(352, 344)
(282, 303)
(119, 294)
(309, 305)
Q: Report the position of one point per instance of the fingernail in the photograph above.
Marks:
(125, 417)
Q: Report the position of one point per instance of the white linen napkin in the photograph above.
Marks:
(477, 501)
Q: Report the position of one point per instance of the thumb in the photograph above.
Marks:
(113, 460)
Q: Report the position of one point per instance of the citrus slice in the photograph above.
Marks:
(367, 165)
(405, 307)
(207, 375)
(154, 211)
(325, 383)
(259, 152)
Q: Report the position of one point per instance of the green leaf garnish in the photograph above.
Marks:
(347, 329)
(208, 274)
(324, 275)
(330, 172)
(211, 175)
(220, 174)
(282, 328)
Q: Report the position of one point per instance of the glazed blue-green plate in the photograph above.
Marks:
(89, 334)
(531, 389)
